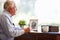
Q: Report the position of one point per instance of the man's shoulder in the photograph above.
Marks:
(2, 16)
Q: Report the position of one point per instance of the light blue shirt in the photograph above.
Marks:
(7, 30)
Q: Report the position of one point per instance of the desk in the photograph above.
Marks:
(39, 36)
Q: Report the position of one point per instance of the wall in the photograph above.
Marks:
(46, 11)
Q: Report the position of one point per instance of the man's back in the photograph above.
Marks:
(4, 28)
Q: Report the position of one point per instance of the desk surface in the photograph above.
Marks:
(39, 36)
(46, 32)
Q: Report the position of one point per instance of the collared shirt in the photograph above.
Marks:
(7, 30)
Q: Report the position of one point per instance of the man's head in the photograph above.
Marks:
(10, 7)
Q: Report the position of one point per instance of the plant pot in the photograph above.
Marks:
(22, 26)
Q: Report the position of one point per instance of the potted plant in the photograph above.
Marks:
(22, 23)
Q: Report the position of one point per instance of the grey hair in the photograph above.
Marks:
(8, 3)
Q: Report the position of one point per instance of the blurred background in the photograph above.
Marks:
(46, 11)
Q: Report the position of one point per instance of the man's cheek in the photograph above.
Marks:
(11, 10)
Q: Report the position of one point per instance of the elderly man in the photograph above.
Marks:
(7, 29)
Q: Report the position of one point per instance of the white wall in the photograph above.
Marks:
(1, 5)
(48, 11)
